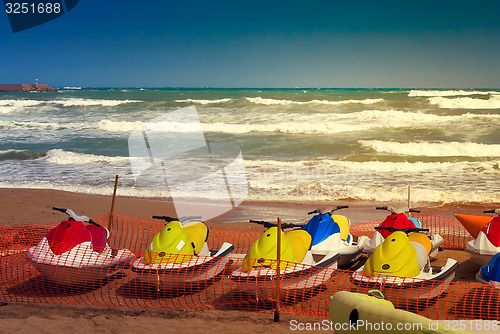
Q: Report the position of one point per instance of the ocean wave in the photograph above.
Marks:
(334, 166)
(89, 189)
(429, 149)
(420, 195)
(7, 106)
(62, 157)
(414, 93)
(466, 102)
(201, 101)
(336, 193)
(423, 196)
(13, 125)
(260, 100)
(312, 124)
(20, 154)
(130, 126)
(70, 102)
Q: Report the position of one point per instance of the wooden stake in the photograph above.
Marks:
(112, 205)
(409, 202)
(278, 274)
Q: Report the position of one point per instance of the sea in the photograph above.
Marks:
(297, 145)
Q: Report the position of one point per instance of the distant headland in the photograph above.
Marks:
(36, 87)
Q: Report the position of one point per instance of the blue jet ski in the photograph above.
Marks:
(490, 273)
(330, 233)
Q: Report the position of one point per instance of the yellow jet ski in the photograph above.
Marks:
(298, 271)
(399, 219)
(178, 256)
(401, 263)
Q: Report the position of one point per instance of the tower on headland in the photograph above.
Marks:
(36, 87)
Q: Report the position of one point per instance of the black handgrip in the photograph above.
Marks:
(405, 230)
(93, 223)
(381, 208)
(59, 209)
(414, 210)
(290, 225)
(490, 211)
(166, 218)
(342, 207)
(268, 224)
(262, 222)
(314, 211)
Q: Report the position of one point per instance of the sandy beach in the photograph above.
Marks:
(33, 206)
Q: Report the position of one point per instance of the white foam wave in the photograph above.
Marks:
(429, 149)
(332, 166)
(119, 126)
(421, 195)
(413, 93)
(7, 106)
(62, 157)
(466, 102)
(90, 189)
(201, 101)
(11, 125)
(260, 100)
(92, 102)
(129, 126)
(314, 123)
(394, 194)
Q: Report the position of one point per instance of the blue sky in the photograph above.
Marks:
(260, 44)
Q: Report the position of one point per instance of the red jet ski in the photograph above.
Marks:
(76, 252)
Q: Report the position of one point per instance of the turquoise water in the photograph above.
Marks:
(297, 144)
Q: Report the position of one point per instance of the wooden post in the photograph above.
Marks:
(110, 221)
(409, 201)
(278, 274)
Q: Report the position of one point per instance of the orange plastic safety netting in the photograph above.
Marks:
(209, 282)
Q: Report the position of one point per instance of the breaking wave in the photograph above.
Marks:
(260, 100)
(429, 149)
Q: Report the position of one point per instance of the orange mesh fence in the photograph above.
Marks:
(118, 276)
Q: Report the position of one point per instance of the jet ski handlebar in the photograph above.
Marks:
(75, 216)
(322, 210)
(405, 230)
(497, 211)
(392, 210)
(268, 224)
(169, 219)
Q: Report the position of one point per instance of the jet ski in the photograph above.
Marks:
(178, 256)
(75, 252)
(330, 233)
(298, 271)
(401, 263)
(473, 224)
(490, 273)
(399, 220)
(488, 239)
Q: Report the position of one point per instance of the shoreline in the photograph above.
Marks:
(35, 207)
